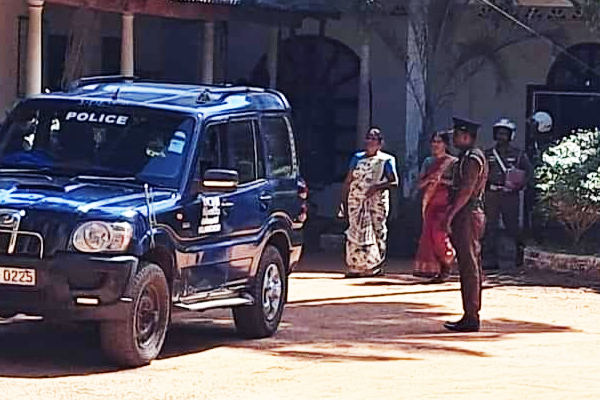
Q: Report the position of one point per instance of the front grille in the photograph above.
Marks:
(55, 235)
(21, 295)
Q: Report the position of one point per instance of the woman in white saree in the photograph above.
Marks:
(366, 204)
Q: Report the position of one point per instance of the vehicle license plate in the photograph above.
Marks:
(17, 276)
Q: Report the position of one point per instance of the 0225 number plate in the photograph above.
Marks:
(17, 276)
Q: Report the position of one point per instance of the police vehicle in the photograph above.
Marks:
(123, 200)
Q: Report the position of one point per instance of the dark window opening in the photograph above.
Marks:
(276, 134)
(577, 68)
(57, 50)
(230, 146)
(111, 55)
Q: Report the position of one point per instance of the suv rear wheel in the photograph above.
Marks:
(269, 292)
(138, 340)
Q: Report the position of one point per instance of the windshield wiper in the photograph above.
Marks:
(37, 172)
(129, 180)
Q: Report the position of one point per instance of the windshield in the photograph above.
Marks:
(68, 137)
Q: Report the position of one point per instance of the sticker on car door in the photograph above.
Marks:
(210, 221)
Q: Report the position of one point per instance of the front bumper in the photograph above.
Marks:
(62, 280)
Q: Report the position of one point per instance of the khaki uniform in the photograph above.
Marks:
(471, 171)
(502, 203)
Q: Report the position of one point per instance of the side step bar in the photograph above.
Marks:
(221, 303)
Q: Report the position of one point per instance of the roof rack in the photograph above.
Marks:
(206, 94)
(99, 80)
(228, 86)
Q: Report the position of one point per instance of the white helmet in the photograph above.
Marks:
(507, 124)
(542, 121)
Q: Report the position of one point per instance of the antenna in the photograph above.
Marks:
(149, 197)
(116, 94)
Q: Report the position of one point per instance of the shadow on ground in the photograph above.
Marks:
(523, 277)
(399, 273)
(332, 329)
(364, 329)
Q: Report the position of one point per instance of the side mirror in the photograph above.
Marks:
(220, 180)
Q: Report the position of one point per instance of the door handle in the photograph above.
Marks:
(226, 204)
(265, 199)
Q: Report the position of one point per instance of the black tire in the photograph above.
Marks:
(151, 299)
(256, 321)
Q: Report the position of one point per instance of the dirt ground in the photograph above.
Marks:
(379, 338)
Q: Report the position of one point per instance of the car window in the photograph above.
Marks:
(279, 157)
(230, 146)
(209, 151)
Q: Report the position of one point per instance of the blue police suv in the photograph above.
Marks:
(124, 200)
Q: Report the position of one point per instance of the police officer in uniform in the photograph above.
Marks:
(466, 221)
(501, 201)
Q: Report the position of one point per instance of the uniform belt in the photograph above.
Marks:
(498, 188)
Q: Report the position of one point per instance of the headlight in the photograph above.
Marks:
(97, 236)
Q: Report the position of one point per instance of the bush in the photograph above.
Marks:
(568, 183)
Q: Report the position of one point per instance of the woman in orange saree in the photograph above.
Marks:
(436, 255)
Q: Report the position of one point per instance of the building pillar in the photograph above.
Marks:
(364, 111)
(273, 55)
(208, 58)
(34, 48)
(127, 45)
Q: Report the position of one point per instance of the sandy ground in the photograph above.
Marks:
(378, 338)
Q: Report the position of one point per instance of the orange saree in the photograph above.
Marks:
(436, 255)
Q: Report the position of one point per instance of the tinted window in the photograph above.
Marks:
(230, 146)
(278, 146)
(71, 138)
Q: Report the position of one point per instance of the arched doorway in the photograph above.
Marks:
(320, 77)
(578, 67)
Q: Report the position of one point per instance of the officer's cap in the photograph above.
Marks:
(466, 125)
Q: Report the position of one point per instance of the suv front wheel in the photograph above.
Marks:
(269, 291)
(139, 338)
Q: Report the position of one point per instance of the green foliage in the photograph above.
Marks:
(568, 182)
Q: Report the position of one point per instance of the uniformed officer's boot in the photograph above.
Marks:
(466, 324)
